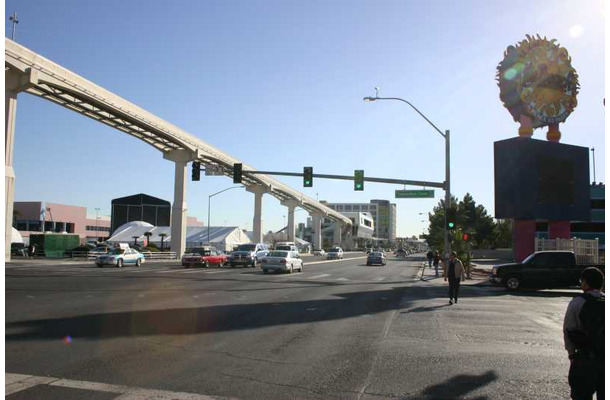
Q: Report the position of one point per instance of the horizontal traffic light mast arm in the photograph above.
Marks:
(440, 185)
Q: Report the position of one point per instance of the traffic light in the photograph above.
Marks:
(465, 237)
(359, 179)
(237, 173)
(307, 176)
(451, 219)
(196, 173)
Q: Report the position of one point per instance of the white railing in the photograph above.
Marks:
(585, 250)
(159, 255)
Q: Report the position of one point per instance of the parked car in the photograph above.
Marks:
(248, 254)
(282, 261)
(319, 252)
(375, 257)
(401, 252)
(101, 248)
(79, 250)
(147, 253)
(119, 257)
(542, 269)
(335, 253)
(203, 257)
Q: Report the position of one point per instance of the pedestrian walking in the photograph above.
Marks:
(436, 260)
(455, 272)
(583, 334)
(31, 250)
(430, 256)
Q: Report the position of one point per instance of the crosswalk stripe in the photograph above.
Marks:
(318, 276)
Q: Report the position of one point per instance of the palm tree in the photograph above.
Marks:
(162, 236)
(148, 235)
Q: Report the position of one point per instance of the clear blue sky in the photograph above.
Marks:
(279, 85)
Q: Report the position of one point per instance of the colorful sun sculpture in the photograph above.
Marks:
(538, 85)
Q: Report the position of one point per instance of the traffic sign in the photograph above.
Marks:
(414, 194)
(214, 170)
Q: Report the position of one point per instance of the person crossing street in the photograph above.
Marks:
(454, 271)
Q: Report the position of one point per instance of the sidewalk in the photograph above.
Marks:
(480, 272)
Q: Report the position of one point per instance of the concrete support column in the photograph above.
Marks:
(10, 113)
(523, 238)
(559, 229)
(178, 220)
(257, 223)
(291, 204)
(317, 230)
(337, 233)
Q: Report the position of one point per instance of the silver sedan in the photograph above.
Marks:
(282, 261)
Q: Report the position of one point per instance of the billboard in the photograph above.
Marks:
(541, 180)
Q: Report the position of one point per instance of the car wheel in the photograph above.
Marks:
(221, 264)
(368, 264)
(205, 264)
(99, 265)
(119, 263)
(512, 283)
(265, 271)
(254, 264)
(138, 262)
(232, 265)
(291, 269)
(301, 269)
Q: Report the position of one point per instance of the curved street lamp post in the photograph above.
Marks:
(210, 198)
(447, 183)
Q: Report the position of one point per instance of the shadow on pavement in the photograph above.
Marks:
(199, 320)
(458, 386)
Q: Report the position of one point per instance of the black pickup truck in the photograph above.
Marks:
(542, 269)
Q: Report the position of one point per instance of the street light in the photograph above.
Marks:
(447, 183)
(210, 198)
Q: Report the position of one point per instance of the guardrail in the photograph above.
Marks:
(91, 255)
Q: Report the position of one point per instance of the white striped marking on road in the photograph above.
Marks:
(342, 279)
(379, 279)
(17, 382)
(165, 271)
(318, 276)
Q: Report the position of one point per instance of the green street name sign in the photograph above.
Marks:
(414, 194)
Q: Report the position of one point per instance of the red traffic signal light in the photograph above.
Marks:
(465, 237)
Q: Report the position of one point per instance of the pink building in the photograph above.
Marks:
(29, 216)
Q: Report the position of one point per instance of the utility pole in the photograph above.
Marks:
(593, 151)
(13, 19)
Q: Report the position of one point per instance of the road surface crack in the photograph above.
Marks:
(254, 358)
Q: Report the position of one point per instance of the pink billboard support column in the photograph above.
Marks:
(559, 229)
(524, 231)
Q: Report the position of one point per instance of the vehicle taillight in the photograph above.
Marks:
(283, 261)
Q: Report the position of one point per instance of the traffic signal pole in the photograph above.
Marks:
(447, 191)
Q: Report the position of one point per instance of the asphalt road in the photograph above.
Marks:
(337, 330)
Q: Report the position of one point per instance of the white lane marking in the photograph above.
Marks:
(330, 261)
(17, 382)
(342, 279)
(216, 272)
(318, 276)
(165, 271)
(379, 279)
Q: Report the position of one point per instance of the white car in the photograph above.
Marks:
(120, 257)
(319, 252)
(282, 261)
(335, 253)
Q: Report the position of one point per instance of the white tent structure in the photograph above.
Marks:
(222, 237)
(16, 236)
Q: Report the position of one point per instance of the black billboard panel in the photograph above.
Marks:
(536, 179)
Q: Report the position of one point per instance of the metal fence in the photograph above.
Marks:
(91, 255)
(586, 251)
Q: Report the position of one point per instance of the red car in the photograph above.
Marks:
(204, 257)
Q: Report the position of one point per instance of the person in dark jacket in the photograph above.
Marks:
(435, 261)
(430, 256)
(454, 271)
(585, 349)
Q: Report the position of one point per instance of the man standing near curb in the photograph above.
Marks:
(583, 333)
(430, 256)
(455, 272)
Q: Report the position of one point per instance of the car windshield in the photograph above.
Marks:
(116, 251)
(528, 258)
(282, 248)
(246, 247)
(199, 251)
(376, 254)
(283, 254)
(334, 250)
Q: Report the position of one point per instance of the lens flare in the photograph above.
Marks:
(68, 339)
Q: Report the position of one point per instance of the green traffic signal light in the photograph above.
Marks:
(359, 179)
(451, 225)
(307, 176)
